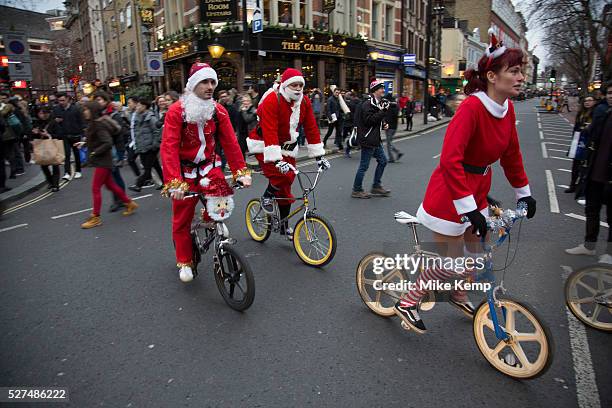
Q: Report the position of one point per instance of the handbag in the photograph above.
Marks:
(48, 152)
(577, 150)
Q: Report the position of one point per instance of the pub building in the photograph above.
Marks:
(324, 58)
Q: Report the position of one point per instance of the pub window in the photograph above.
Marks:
(285, 10)
(375, 26)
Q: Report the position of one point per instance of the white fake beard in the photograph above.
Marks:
(290, 95)
(197, 110)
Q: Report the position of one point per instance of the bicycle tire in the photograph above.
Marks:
(249, 223)
(541, 366)
(574, 307)
(374, 305)
(331, 234)
(241, 270)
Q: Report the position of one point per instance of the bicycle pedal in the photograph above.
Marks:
(405, 326)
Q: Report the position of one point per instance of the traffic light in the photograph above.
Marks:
(4, 73)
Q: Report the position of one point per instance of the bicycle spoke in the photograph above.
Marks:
(596, 312)
(590, 299)
(520, 354)
(494, 353)
(527, 337)
(391, 274)
(509, 320)
(369, 281)
(587, 287)
(378, 295)
(489, 324)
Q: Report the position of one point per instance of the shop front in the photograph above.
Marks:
(414, 77)
(387, 66)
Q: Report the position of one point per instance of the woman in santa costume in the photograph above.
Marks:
(192, 128)
(282, 110)
(482, 131)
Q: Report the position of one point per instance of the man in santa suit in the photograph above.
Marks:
(192, 128)
(282, 110)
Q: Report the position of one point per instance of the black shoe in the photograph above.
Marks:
(466, 307)
(267, 203)
(570, 189)
(5, 189)
(159, 187)
(135, 188)
(148, 184)
(55, 189)
(12, 176)
(410, 316)
(399, 155)
(116, 206)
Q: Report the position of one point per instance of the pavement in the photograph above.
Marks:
(103, 312)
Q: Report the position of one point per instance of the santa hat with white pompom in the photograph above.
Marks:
(496, 48)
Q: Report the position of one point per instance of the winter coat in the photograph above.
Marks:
(333, 106)
(99, 143)
(72, 124)
(49, 125)
(392, 114)
(148, 135)
(369, 123)
(600, 127)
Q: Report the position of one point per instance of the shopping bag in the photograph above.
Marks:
(83, 155)
(48, 152)
(577, 150)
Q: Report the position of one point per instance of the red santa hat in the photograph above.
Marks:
(217, 187)
(496, 48)
(291, 76)
(198, 73)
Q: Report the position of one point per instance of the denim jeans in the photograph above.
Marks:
(366, 155)
(390, 147)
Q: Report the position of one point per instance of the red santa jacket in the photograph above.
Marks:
(276, 128)
(196, 143)
(474, 137)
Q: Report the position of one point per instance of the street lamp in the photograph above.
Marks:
(215, 49)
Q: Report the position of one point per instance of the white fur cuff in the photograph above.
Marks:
(272, 154)
(316, 150)
(521, 192)
(465, 204)
(255, 146)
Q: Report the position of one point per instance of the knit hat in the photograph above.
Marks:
(198, 73)
(291, 76)
(376, 85)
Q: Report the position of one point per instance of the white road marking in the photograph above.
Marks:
(558, 138)
(541, 135)
(557, 150)
(13, 227)
(544, 152)
(560, 144)
(566, 170)
(586, 385)
(552, 194)
(561, 158)
(35, 199)
(437, 155)
(55, 217)
(583, 218)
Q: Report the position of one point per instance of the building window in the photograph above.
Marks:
(389, 23)
(285, 12)
(122, 20)
(124, 59)
(375, 26)
(128, 15)
(302, 12)
(114, 26)
(133, 57)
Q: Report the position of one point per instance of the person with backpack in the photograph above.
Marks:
(274, 142)
(99, 156)
(392, 119)
(147, 142)
(370, 124)
(193, 127)
(120, 134)
(10, 139)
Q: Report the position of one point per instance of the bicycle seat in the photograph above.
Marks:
(404, 218)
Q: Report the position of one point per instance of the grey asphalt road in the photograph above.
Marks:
(103, 313)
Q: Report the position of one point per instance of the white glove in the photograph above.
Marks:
(245, 181)
(283, 167)
(323, 163)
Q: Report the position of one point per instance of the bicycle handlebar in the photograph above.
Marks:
(503, 219)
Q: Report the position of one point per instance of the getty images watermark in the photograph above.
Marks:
(463, 267)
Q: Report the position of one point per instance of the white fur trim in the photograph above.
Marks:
(442, 226)
(192, 174)
(316, 150)
(272, 154)
(205, 182)
(293, 80)
(465, 204)
(268, 92)
(495, 109)
(294, 119)
(490, 31)
(255, 146)
(521, 192)
(498, 52)
(291, 153)
(199, 76)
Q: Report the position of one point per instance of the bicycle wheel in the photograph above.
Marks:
(380, 302)
(234, 279)
(529, 351)
(314, 241)
(588, 295)
(258, 222)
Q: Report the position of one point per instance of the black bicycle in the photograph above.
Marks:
(233, 274)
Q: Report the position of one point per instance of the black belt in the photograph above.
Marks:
(476, 169)
(190, 164)
(289, 146)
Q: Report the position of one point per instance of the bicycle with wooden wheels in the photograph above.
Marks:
(314, 238)
(588, 295)
(509, 334)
